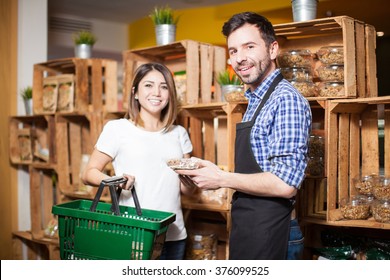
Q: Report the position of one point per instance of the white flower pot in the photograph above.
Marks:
(83, 51)
(165, 34)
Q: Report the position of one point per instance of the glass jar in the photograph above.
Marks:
(233, 93)
(315, 167)
(331, 55)
(202, 246)
(381, 211)
(316, 146)
(331, 73)
(295, 58)
(299, 74)
(355, 208)
(381, 187)
(331, 89)
(363, 184)
(306, 88)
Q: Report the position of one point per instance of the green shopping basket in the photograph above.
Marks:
(100, 231)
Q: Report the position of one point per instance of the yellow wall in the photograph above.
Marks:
(205, 24)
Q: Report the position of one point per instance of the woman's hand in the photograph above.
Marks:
(130, 182)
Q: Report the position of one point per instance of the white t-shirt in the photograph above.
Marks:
(143, 154)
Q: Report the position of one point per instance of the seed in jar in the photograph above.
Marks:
(331, 55)
(355, 212)
(328, 90)
(306, 89)
(381, 213)
(381, 192)
(364, 187)
(331, 73)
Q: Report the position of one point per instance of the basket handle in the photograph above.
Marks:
(113, 183)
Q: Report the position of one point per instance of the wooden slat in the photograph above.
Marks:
(354, 150)
(209, 140)
(192, 72)
(110, 86)
(343, 156)
(370, 145)
(371, 69)
(360, 59)
(97, 86)
(387, 142)
(206, 72)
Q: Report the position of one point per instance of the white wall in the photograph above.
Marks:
(32, 48)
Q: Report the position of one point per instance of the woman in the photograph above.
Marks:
(139, 146)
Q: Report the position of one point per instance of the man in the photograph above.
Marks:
(271, 145)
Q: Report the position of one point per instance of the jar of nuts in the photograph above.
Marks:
(331, 55)
(381, 211)
(300, 74)
(315, 167)
(355, 208)
(331, 73)
(331, 89)
(306, 88)
(364, 184)
(381, 187)
(295, 58)
(316, 146)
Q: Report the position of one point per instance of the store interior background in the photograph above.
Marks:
(40, 30)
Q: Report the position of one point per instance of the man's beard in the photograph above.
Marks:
(261, 70)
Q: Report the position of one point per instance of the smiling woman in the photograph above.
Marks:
(148, 132)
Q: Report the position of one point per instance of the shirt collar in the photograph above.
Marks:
(264, 86)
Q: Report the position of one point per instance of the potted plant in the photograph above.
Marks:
(26, 94)
(231, 86)
(84, 41)
(165, 24)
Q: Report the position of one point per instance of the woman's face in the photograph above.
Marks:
(153, 93)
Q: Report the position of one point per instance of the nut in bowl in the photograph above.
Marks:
(183, 163)
(355, 208)
(364, 184)
(381, 211)
(381, 187)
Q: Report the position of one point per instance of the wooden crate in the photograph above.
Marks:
(95, 87)
(212, 129)
(75, 135)
(200, 61)
(41, 130)
(43, 195)
(356, 150)
(357, 38)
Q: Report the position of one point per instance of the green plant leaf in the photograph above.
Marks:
(163, 15)
(84, 37)
(26, 92)
(227, 78)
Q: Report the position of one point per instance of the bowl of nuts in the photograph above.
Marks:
(363, 184)
(381, 187)
(355, 208)
(295, 58)
(331, 73)
(331, 55)
(381, 211)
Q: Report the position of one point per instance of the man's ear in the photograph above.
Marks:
(274, 50)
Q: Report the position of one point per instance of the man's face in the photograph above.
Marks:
(250, 58)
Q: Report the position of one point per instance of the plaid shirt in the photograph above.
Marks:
(279, 137)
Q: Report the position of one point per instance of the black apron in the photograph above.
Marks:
(260, 225)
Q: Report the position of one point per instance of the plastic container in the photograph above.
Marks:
(364, 184)
(316, 146)
(331, 73)
(315, 167)
(331, 89)
(297, 74)
(102, 235)
(233, 93)
(306, 88)
(381, 187)
(295, 58)
(331, 55)
(381, 211)
(202, 246)
(355, 208)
